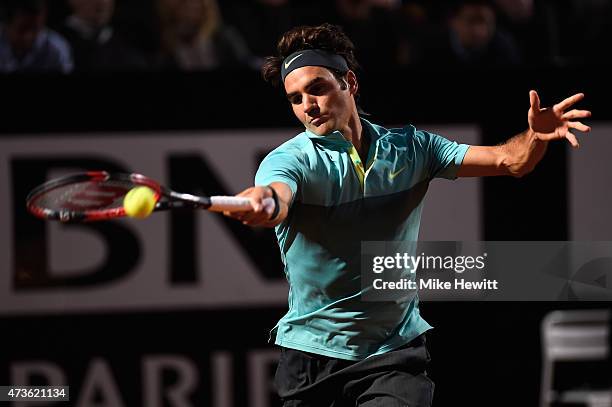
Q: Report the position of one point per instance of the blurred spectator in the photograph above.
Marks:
(533, 26)
(261, 22)
(596, 52)
(516, 10)
(582, 28)
(95, 44)
(26, 44)
(414, 18)
(373, 27)
(194, 37)
(471, 38)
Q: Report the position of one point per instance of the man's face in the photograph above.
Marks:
(95, 12)
(474, 26)
(22, 31)
(318, 99)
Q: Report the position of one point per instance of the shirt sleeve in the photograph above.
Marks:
(280, 166)
(443, 157)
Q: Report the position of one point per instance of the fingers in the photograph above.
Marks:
(578, 126)
(253, 219)
(563, 105)
(534, 100)
(576, 114)
(255, 216)
(248, 217)
(255, 195)
(256, 203)
(235, 215)
(572, 139)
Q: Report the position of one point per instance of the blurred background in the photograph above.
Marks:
(176, 310)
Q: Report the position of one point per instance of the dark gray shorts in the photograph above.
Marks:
(393, 379)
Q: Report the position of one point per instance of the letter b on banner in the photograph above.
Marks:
(32, 269)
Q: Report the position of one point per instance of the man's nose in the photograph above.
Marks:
(310, 105)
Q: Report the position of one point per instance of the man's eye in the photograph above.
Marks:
(295, 100)
(319, 90)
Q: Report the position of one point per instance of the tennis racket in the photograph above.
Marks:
(98, 195)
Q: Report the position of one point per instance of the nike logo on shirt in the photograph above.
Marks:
(392, 175)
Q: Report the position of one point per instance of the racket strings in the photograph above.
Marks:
(85, 196)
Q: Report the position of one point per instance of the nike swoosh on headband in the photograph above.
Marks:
(291, 60)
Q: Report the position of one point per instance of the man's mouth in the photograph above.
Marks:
(318, 121)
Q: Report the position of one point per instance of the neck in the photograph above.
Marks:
(353, 132)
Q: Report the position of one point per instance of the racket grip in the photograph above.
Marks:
(238, 204)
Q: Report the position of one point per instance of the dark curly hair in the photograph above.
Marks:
(327, 37)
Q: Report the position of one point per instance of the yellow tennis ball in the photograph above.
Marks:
(139, 202)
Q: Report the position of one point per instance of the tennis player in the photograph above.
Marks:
(344, 180)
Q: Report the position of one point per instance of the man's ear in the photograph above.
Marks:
(351, 81)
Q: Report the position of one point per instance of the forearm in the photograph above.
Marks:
(521, 153)
(515, 157)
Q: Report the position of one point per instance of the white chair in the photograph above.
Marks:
(574, 336)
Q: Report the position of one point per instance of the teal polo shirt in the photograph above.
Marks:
(338, 202)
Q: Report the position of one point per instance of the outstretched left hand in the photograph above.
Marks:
(554, 123)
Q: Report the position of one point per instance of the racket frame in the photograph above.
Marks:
(165, 198)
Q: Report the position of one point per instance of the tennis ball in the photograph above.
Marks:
(139, 202)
